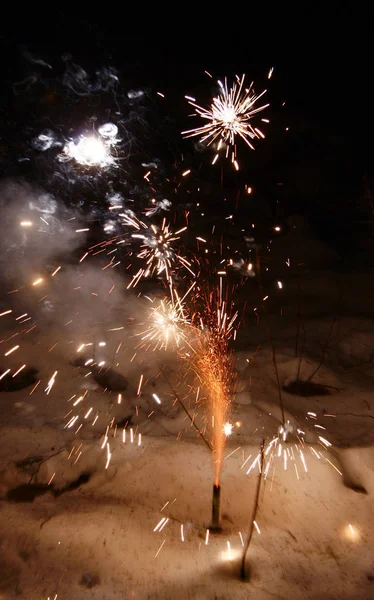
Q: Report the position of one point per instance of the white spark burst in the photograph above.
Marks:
(158, 252)
(229, 116)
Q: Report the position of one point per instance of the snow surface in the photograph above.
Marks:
(96, 539)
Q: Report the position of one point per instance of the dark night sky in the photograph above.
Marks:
(322, 73)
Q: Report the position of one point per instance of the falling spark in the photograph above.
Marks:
(325, 442)
(164, 523)
(160, 548)
(140, 385)
(207, 537)
(11, 350)
(34, 388)
(51, 382)
(333, 466)
(257, 527)
(303, 461)
(109, 456)
(233, 452)
(37, 281)
(246, 460)
(19, 370)
(159, 524)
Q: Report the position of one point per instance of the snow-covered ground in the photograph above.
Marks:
(79, 510)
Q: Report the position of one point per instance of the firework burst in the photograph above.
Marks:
(168, 322)
(229, 116)
(158, 252)
(290, 448)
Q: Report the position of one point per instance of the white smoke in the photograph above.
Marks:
(36, 230)
(73, 299)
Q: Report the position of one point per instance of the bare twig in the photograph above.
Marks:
(298, 317)
(325, 346)
(269, 334)
(43, 461)
(301, 353)
(243, 572)
(186, 411)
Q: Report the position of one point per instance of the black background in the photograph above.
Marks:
(321, 167)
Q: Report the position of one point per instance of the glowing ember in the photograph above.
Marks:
(227, 428)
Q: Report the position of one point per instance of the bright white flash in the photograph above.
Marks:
(227, 428)
(93, 150)
(89, 151)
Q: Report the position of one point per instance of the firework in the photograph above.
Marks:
(290, 448)
(214, 372)
(93, 150)
(168, 322)
(158, 252)
(229, 116)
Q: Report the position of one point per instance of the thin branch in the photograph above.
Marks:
(186, 411)
(243, 572)
(324, 349)
(269, 334)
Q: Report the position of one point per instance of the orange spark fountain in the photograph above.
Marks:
(214, 372)
(213, 368)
